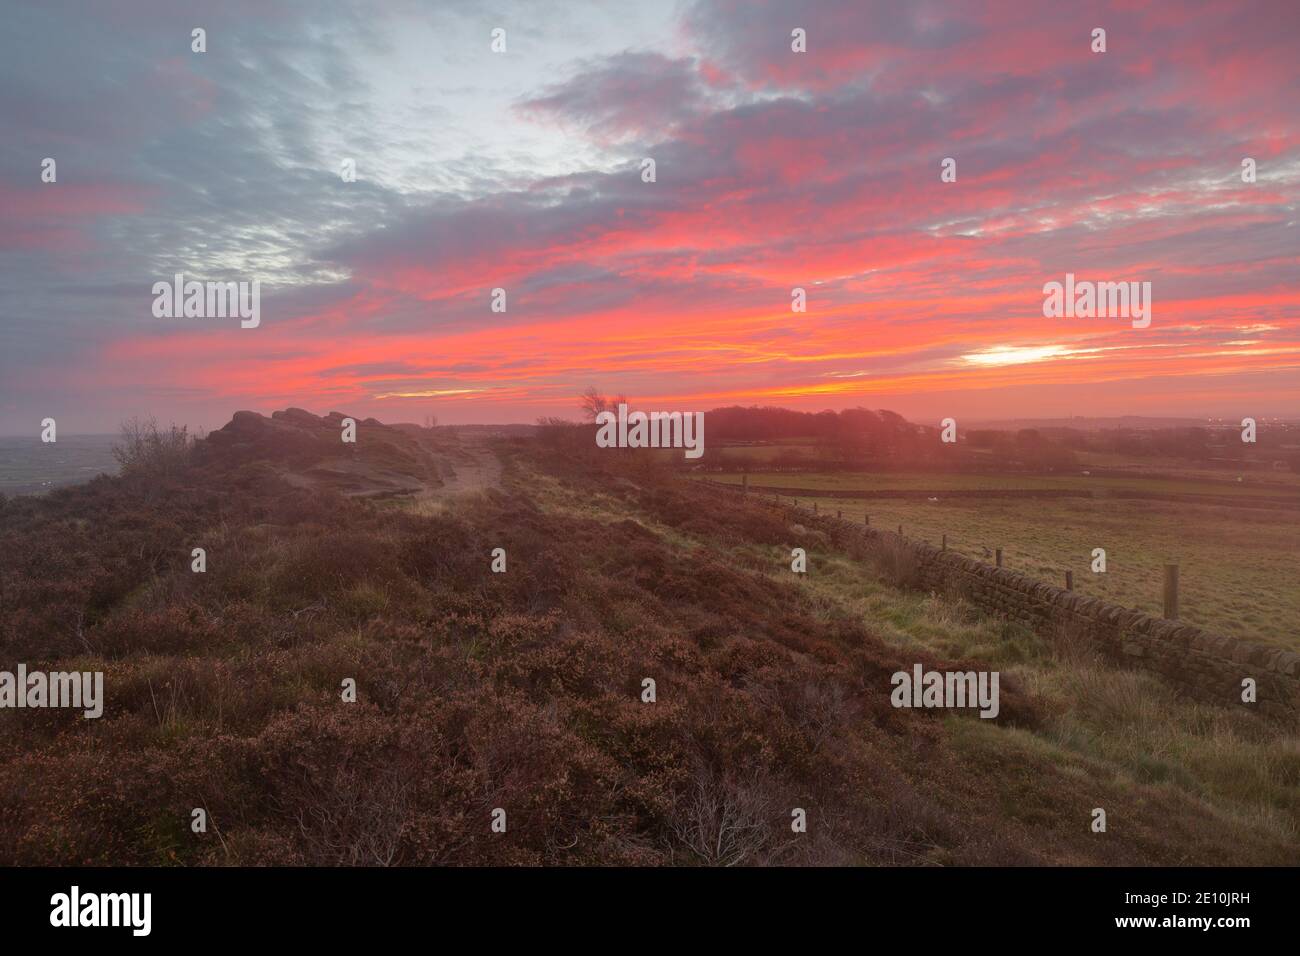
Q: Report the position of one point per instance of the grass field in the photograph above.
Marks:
(1238, 566)
(1109, 729)
(1100, 486)
(1266, 480)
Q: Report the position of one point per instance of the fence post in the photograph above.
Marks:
(1069, 580)
(900, 530)
(998, 554)
(866, 520)
(839, 514)
(744, 483)
(1171, 592)
(945, 542)
(814, 507)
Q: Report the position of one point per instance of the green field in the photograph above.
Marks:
(1238, 566)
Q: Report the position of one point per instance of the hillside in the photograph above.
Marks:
(523, 690)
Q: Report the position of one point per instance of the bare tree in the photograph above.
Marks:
(593, 403)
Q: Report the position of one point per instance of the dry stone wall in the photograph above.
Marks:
(1204, 666)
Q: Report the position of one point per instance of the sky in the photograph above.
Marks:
(522, 169)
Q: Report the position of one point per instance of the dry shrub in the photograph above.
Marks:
(725, 821)
(326, 565)
(146, 450)
(478, 690)
(897, 561)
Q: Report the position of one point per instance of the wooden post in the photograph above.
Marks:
(866, 519)
(839, 514)
(900, 530)
(998, 553)
(814, 507)
(744, 483)
(1069, 580)
(945, 542)
(1171, 592)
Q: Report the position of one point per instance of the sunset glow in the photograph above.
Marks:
(775, 170)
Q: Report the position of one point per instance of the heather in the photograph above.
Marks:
(523, 690)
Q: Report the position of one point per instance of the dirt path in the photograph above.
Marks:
(434, 467)
(466, 464)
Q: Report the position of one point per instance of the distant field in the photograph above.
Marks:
(1238, 566)
(1273, 482)
(1140, 466)
(29, 465)
(805, 447)
(857, 481)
